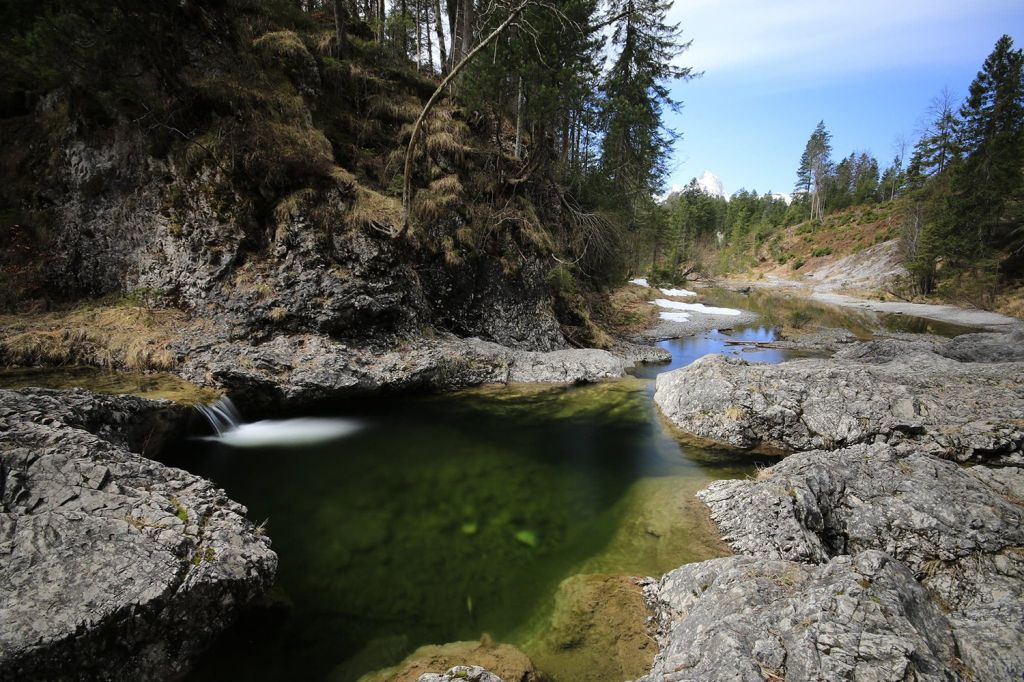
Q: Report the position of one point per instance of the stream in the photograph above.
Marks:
(437, 518)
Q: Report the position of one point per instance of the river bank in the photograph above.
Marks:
(872, 550)
(657, 522)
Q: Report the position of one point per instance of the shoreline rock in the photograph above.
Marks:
(891, 390)
(754, 619)
(136, 566)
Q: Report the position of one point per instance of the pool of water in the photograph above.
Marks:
(441, 518)
(445, 517)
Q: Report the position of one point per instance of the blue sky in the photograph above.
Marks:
(774, 68)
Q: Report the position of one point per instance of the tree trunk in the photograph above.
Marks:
(467, 26)
(411, 149)
(340, 28)
(439, 26)
(519, 120)
(404, 8)
(453, 29)
(426, 33)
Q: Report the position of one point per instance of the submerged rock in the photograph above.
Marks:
(112, 566)
(858, 617)
(599, 630)
(485, 659)
(958, 529)
(964, 411)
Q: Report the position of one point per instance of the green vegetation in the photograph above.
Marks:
(538, 151)
(956, 206)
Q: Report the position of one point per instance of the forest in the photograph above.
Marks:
(555, 104)
(955, 196)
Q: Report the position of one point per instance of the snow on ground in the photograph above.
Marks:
(678, 292)
(694, 307)
(641, 281)
(675, 317)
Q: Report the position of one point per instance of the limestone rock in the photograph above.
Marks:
(858, 617)
(112, 566)
(964, 411)
(959, 529)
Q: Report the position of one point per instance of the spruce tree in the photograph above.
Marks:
(815, 169)
(993, 140)
(635, 142)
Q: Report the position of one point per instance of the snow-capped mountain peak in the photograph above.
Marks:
(711, 183)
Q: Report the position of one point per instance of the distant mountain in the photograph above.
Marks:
(711, 183)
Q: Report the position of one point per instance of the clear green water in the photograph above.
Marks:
(450, 516)
(446, 517)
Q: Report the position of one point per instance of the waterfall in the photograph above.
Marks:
(229, 428)
(222, 415)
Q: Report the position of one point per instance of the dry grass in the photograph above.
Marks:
(374, 210)
(110, 336)
(436, 200)
(282, 45)
(1011, 302)
(393, 108)
(630, 311)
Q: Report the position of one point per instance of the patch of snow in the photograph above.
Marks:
(678, 292)
(694, 307)
(640, 281)
(675, 317)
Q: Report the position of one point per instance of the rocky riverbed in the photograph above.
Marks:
(888, 547)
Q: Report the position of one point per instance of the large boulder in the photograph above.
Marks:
(860, 617)
(112, 566)
(964, 411)
(958, 529)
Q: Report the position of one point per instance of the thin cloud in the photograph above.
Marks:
(805, 38)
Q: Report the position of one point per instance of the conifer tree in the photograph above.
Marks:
(635, 142)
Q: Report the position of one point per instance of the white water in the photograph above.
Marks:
(694, 307)
(641, 281)
(231, 430)
(678, 292)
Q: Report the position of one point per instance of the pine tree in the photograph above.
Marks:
(993, 142)
(815, 169)
(635, 142)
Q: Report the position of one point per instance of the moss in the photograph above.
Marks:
(179, 509)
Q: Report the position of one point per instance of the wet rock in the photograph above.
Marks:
(964, 411)
(599, 630)
(958, 529)
(112, 566)
(486, 659)
(859, 617)
(473, 673)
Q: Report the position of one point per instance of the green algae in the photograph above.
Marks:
(450, 516)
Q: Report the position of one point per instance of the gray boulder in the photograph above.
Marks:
(964, 411)
(958, 529)
(860, 617)
(112, 566)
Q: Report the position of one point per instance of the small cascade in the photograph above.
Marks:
(222, 415)
(229, 428)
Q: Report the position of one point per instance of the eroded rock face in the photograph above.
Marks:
(859, 617)
(960, 530)
(112, 566)
(964, 411)
(301, 368)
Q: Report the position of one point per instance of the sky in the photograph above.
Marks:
(773, 68)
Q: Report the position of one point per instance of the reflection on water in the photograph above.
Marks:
(449, 516)
(737, 342)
